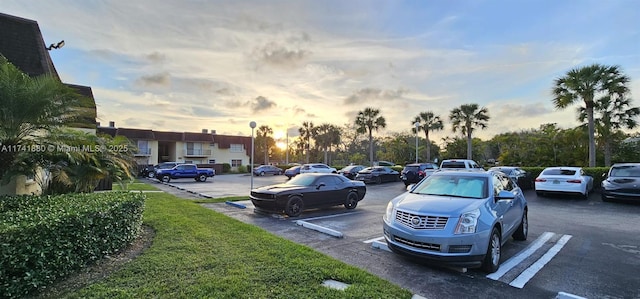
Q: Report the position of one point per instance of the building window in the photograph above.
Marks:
(236, 162)
(237, 148)
(212, 161)
(194, 148)
(143, 147)
(188, 161)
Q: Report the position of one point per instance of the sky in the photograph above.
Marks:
(189, 65)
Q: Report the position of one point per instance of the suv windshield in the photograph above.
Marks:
(453, 185)
(453, 164)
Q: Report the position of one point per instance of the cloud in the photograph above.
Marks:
(276, 55)
(368, 95)
(160, 79)
(261, 103)
(156, 57)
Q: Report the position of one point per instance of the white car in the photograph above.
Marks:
(570, 180)
(317, 167)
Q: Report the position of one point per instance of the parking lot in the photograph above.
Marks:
(587, 248)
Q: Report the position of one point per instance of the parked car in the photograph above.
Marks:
(521, 177)
(415, 172)
(622, 182)
(267, 169)
(378, 174)
(563, 180)
(317, 167)
(459, 218)
(351, 171)
(460, 164)
(150, 171)
(292, 171)
(183, 171)
(309, 190)
(384, 163)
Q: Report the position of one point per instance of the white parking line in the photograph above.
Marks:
(328, 216)
(515, 260)
(373, 240)
(527, 274)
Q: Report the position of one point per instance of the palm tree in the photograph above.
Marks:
(586, 83)
(327, 135)
(30, 108)
(428, 122)
(264, 133)
(466, 118)
(307, 131)
(368, 121)
(611, 113)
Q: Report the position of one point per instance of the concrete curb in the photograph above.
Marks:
(563, 295)
(319, 228)
(235, 204)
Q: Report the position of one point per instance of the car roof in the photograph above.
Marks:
(564, 167)
(625, 164)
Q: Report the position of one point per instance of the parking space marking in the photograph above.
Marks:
(515, 260)
(373, 240)
(527, 274)
(322, 229)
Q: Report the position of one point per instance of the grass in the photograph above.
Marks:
(200, 253)
(137, 185)
(221, 199)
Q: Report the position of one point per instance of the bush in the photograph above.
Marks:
(44, 238)
(242, 169)
(226, 167)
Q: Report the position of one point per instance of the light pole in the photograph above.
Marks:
(417, 125)
(253, 126)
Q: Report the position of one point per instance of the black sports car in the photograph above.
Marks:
(378, 174)
(309, 190)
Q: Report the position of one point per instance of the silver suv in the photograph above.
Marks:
(461, 218)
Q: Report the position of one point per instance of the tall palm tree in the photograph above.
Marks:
(29, 109)
(264, 133)
(428, 122)
(466, 118)
(307, 131)
(586, 84)
(611, 113)
(367, 121)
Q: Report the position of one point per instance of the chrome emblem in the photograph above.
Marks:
(415, 220)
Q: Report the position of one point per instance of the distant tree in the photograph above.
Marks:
(367, 121)
(465, 119)
(586, 84)
(307, 131)
(266, 140)
(327, 135)
(428, 122)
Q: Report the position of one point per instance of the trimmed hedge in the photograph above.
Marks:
(45, 238)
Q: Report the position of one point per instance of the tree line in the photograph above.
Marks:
(604, 110)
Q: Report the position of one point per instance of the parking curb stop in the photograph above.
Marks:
(319, 228)
(235, 204)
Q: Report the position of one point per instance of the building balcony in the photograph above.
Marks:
(192, 153)
(143, 152)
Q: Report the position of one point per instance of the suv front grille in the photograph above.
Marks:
(420, 221)
(421, 245)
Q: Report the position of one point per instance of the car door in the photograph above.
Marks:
(508, 210)
(322, 193)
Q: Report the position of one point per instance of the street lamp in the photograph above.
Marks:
(253, 126)
(416, 124)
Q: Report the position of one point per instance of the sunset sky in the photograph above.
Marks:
(192, 65)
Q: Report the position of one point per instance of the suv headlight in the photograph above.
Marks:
(468, 222)
(388, 215)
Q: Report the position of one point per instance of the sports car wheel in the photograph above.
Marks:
(352, 201)
(523, 229)
(294, 207)
(378, 180)
(491, 261)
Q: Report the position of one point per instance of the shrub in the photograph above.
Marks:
(226, 167)
(44, 238)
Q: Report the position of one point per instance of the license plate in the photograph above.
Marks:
(556, 182)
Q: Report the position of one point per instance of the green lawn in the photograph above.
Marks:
(200, 253)
(137, 185)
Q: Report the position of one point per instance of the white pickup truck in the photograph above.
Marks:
(460, 164)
